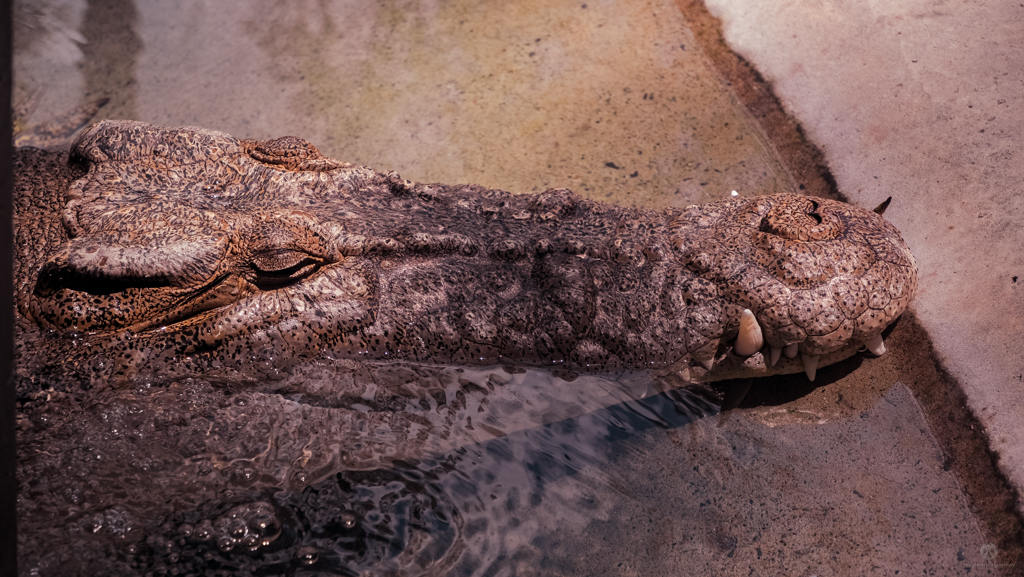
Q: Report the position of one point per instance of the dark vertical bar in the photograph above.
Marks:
(8, 455)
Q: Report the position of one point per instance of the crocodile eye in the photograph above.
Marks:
(278, 268)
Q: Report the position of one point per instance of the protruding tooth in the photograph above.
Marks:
(706, 354)
(810, 365)
(876, 346)
(749, 340)
(791, 350)
(684, 373)
(776, 352)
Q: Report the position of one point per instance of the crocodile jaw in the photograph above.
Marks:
(732, 366)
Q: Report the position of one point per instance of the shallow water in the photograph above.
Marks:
(488, 471)
(445, 473)
(336, 468)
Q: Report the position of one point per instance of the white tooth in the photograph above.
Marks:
(684, 373)
(706, 354)
(776, 353)
(790, 351)
(810, 365)
(750, 340)
(876, 346)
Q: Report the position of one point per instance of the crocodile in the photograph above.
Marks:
(146, 248)
(310, 327)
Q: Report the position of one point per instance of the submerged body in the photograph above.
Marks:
(146, 247)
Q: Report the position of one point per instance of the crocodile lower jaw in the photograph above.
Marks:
(733, 366)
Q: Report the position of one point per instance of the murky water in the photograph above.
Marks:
(392, 469)
(449, 470)
(354, 469)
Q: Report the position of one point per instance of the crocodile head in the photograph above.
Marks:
(190, 243)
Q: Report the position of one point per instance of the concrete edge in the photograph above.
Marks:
(992, 497)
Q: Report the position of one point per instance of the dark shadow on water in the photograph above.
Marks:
(781, 389)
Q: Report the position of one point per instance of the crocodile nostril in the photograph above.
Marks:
(801, 219)
(814, 211)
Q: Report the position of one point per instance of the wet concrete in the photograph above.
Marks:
(631, 104)
(541, 96)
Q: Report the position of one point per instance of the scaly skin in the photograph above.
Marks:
(157, 246)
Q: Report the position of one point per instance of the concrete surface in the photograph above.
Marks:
(619, 102)
(440, 93)
(923, 101)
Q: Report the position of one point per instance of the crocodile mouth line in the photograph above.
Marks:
(191, 307)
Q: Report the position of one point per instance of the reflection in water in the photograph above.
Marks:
(458, 511)
(187, 477)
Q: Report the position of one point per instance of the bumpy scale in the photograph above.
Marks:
(156, 244)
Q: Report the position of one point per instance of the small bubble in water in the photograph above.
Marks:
(225, 543)
(244, 472)
(237, 529)
(265, 524)
(204, 532)
(161, 545)
(261, 521)
(348, 519)
(308, 555)
(117, 522)
(250, 541)
(186, 530)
